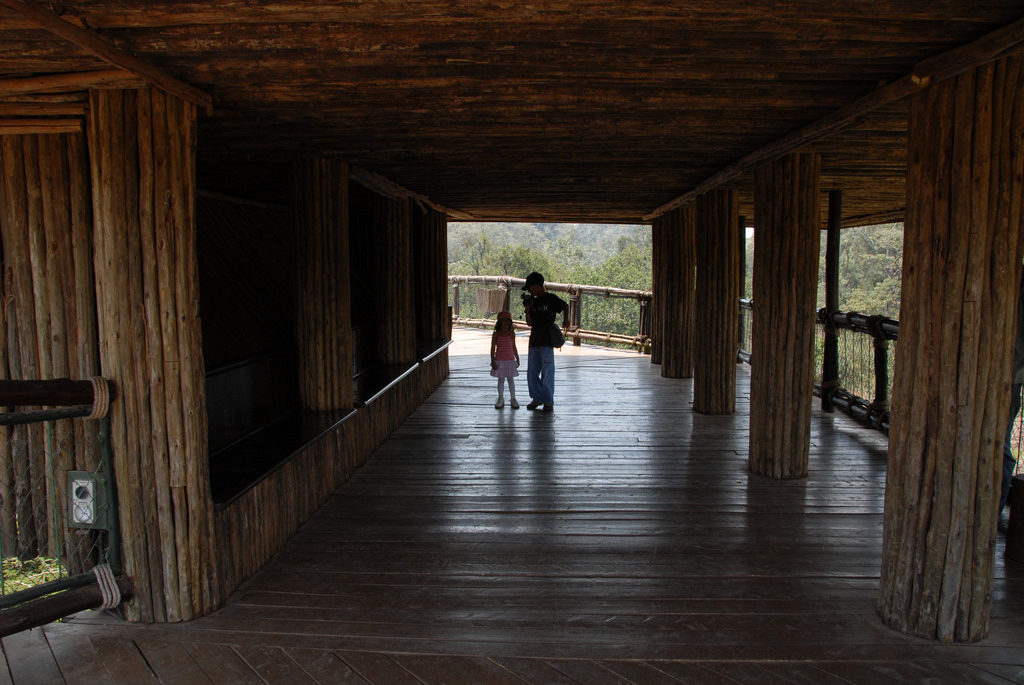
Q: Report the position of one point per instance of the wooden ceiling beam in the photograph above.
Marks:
(943, 66)
(98, 47)
(42, 109)
(62, 83)
(388, 188)
(12, 127)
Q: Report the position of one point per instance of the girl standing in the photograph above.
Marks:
(504, 359)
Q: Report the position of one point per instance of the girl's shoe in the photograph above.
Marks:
(513, 403)
(500, 403)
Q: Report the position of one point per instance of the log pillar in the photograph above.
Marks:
(678, 290)
(430, 260)
(323, 314)
(659, 288)
(142, 155)
(830, 355)
(786, 214)
(961, 263)
(47, 330)
(717, 313)
(396, 319)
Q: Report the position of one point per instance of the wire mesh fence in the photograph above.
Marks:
(857, 363)
(56, 501)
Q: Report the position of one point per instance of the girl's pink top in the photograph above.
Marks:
(503, 349)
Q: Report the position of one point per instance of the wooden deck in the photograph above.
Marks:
(618, 539)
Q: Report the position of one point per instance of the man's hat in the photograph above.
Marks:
(533, 279)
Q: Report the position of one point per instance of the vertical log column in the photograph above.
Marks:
(396, 320)
(659, 288)
(142, 153)
(830, 356)
(786, 214)
(323, 316)
(678, 289)
(716, 320)
(47, 330)
(961, 261)
(430, 231)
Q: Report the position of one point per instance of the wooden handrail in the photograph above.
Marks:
(61, 392)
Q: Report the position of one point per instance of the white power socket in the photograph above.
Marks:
(83, 502)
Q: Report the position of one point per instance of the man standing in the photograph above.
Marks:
(541, 309)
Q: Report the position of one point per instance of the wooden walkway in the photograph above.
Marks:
(618, 539)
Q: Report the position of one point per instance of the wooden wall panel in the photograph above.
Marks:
(961, 266)
(255, 526)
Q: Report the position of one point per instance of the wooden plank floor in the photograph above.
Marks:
(618, 539)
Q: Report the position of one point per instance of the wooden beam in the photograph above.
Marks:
(58, 83)
(18, 127)
(89, 41)
(42, 109)
(388, 188)
(955, 61)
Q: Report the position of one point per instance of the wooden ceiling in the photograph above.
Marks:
(570, 110)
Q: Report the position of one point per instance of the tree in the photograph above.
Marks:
(870, 270)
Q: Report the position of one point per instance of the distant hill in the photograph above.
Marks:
(595, 242)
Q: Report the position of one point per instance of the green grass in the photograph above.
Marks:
(20, 575)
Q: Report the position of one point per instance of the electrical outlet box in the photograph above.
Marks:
(87, 500)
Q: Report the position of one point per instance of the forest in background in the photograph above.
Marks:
(619, 256)
(613, 255)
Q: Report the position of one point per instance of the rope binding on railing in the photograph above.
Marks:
(100, 397)
(108, 586)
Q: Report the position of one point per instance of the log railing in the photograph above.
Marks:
(503, 295)
(58, 504)
(862, 386)
(863, 380)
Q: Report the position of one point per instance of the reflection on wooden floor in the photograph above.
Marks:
(618, 539)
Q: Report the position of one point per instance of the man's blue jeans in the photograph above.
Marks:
(540, 374)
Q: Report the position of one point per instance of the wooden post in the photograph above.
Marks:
(142, 154)
(740, 327)
(575, 313)
(396, 320)
(644, 326)
(786, 213)
(716, 319)
(679, 275)
(830, 358)
(659, 287)
(961, 264)
(22, 332)
(430, 259)
(323, 313)
(49, 328)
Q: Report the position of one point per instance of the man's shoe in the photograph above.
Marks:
(500, 403)
(513, 403)
(533, 405)
(549, 407)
